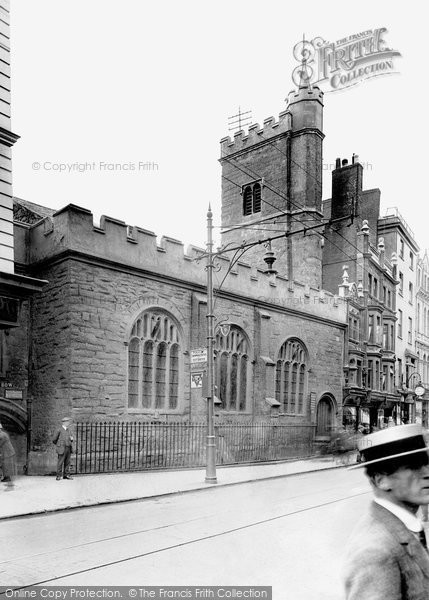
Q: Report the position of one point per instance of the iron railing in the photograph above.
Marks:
(103, 447)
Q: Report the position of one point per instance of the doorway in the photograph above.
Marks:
(324, 417)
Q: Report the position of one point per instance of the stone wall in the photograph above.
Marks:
(101, 280)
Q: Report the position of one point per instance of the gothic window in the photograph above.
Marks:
(231, 369)
(291, 377)
(133, 372)
(174, 376)
(154, 363)
(252, 198)
(147, 378)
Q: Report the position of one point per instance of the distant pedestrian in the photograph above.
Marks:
(63, 441)
(7, 458)
(387, 556)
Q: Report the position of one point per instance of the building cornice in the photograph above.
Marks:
(7, 137)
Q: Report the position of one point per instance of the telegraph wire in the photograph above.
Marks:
(293, 218)
(251, 173)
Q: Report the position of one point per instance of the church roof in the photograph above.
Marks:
(29, 212)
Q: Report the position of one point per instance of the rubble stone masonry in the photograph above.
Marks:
(102, 279)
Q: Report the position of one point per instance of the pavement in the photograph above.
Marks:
(32, 495)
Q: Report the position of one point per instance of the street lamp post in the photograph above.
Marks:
(418, 390)
(211, 442)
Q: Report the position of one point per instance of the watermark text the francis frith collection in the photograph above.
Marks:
(335, 66)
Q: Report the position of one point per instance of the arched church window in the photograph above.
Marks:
(252, 198)
(291, 377)
(231, 369)
(154, 363)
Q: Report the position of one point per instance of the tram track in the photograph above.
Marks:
(201, 538)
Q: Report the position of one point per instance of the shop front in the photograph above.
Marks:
(355, 412)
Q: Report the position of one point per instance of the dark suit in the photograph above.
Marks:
(7, 455)
(385, 560)
(64, 446)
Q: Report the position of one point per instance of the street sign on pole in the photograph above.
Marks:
(198, 356)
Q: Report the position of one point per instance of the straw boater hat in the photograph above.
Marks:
(391, 443)
(66, 419)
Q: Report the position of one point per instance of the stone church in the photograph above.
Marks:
(101, 323)
(114, 328)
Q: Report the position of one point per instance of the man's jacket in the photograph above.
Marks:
(385, 560)
(6, 448)
(61, 439)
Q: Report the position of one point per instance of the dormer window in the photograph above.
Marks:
(252, 198)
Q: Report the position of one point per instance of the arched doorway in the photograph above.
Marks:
(325, 417)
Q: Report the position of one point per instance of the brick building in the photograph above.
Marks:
(369, 286)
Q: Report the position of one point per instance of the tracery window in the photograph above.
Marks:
(291, 377)
(231, 369)
(154, 363)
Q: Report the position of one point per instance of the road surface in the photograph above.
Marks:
(288, 533)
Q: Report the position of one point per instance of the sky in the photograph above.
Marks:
(136, 83)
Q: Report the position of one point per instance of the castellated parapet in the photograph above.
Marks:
(306, 107)
(305, 93)
(256, 134)
(71, 232)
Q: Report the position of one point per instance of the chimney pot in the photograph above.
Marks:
(338, 163)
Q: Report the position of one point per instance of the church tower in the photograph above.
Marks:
(272, 185)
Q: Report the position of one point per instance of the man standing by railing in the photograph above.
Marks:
(64, 446)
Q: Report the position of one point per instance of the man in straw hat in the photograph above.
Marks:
(387, 557)
(63, 441)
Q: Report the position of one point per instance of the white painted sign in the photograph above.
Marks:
(198, 355)
(196, 380)
(13, 394)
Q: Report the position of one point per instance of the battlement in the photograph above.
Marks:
(72, 229)
(306, 108)
(256, 134)
(305, 93)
